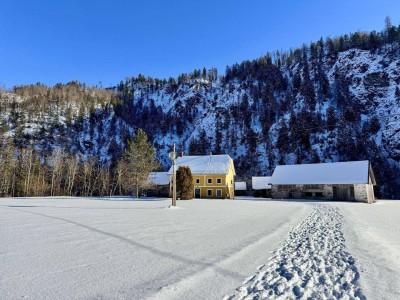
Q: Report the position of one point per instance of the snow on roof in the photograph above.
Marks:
(240, 186)
(159, 178)
(351, 172)
(206, 164)
(261, 182)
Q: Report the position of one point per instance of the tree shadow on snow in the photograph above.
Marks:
(167, 255)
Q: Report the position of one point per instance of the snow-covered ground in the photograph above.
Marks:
(119, 248)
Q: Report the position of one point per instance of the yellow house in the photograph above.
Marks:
(212, 175)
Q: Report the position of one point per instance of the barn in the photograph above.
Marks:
(240, 188)
(353, 181)
(159, 185)
(261, 186)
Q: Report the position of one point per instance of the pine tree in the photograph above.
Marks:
(184, 183)
(138, 161)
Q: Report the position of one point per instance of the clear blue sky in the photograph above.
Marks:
(52, 41)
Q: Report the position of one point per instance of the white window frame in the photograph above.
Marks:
(209, 180)
(220, 195)
(219, 180)
(197, 180)
(208, 194)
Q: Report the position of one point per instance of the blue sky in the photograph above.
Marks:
(106, 41)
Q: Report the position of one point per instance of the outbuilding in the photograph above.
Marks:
(240, 188)
(261, 186)
(352, 180)
(158, 185)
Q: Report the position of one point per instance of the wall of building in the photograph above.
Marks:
(225, 185)
(302, 191)
(362, 192)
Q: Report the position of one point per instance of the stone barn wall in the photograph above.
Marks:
(302, 191)
(364, 193)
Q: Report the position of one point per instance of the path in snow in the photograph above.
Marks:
(312, 263)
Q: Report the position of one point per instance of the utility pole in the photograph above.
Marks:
(172, 156)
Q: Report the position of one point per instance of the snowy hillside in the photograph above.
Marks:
(322, 103)
(332, 109)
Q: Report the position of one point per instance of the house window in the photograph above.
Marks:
(197, 180)
(219, 180)
(209, 193)
(219, 193)
(209, 180)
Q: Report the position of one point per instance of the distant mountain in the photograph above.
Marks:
(333, 100)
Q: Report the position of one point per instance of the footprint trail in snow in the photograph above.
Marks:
(311, 264)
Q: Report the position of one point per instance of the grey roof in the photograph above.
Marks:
(351, 172)
(240, 186)
(206, 164)
(261, 182)
(159, 178)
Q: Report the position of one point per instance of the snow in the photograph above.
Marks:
(159, 178)
(120, 248)
(207, 164)
(261, 182)
(352, 172)
(240, 186)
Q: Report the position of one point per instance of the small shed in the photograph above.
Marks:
(352, 180)
(158, 184)
(240, 188)
(261, 186)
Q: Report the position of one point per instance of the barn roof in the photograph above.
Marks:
(351, 172)
(240, 186)
(159, 178)
(206, 164)
(261, 182)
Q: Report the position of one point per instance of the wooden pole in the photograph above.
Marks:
(174, 178)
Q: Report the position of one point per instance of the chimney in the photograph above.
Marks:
(180, 154)
(210, 155)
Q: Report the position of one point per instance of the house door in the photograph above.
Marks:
(197, 193)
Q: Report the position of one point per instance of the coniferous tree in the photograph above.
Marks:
(138, 161)
(184, 183)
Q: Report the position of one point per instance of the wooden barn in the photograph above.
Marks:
(159, 185)
(352, 181)
(240, 188)
(261, 186)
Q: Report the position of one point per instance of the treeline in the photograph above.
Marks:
(323, 49)
(29, 172)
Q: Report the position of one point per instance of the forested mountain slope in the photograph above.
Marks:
(333, 100)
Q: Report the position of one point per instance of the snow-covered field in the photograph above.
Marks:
(119, 248)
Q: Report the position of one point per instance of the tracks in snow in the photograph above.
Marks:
(311, 264)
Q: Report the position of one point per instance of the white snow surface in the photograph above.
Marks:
(159, 178)
(351, 172)
(206, 164)
(261, 182)
(240, 186)
(119, 248)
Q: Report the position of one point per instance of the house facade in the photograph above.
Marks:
(351, 181)
(212, 175)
